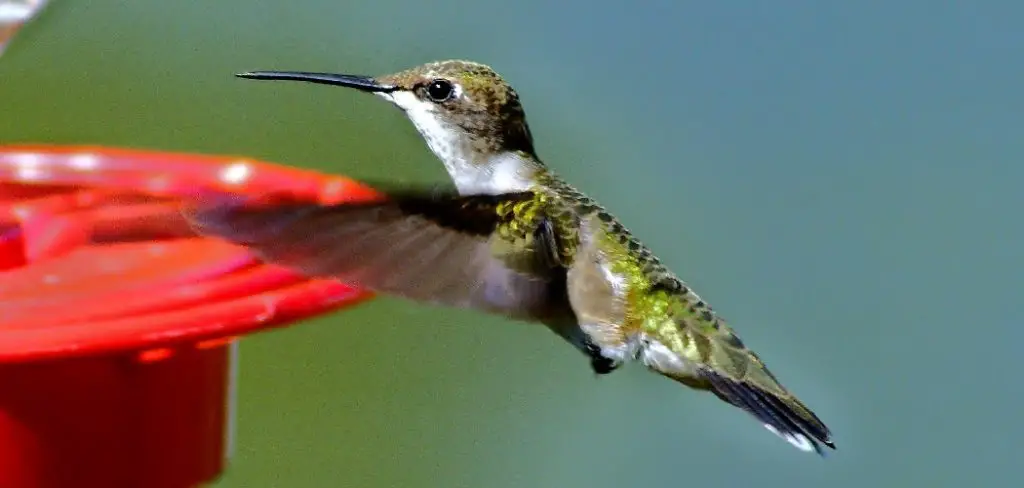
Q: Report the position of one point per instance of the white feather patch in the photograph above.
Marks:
(471, 173)
(799, 440)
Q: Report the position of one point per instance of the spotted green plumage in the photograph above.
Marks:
(517, 240)
(653, 304)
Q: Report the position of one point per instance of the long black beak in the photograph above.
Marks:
(363, 83)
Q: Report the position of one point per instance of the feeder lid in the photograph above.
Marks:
(95, 256)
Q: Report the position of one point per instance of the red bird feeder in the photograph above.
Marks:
(118, 324)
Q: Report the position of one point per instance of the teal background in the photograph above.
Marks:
(842, 180)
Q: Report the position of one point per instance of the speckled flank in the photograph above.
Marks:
(675, 332)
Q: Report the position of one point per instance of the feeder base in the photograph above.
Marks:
(120, 421)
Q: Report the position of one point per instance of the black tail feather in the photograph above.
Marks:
(806, 434)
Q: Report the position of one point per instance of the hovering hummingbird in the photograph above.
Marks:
(515, 240)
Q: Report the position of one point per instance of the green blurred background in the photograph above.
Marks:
(841, 179)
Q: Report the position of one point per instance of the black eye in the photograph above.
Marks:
(440, 90)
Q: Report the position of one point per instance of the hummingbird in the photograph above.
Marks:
(514, 239)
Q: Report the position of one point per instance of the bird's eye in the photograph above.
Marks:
(440, 90)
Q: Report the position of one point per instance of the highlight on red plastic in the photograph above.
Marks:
(14, 14)
(117, 323)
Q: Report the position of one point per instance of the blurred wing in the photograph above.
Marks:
(431, 247)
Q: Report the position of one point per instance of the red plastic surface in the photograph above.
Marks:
(95, 257)
(113, 422)
(117, 322)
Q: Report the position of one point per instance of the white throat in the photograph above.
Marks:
(472, 173)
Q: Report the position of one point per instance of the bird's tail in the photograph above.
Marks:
(784, 415)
